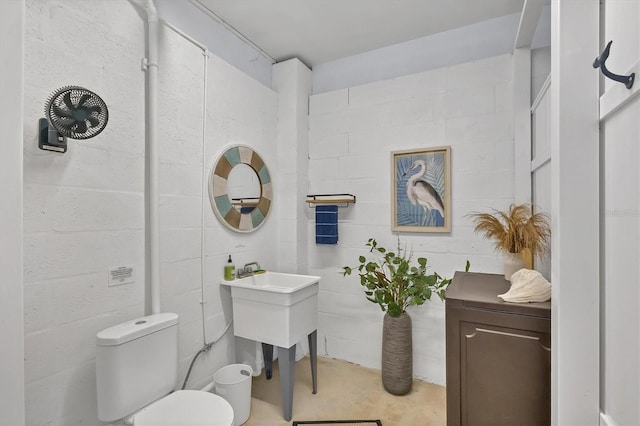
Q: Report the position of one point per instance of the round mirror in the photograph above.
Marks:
(240, 189)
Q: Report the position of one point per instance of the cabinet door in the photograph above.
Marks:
(504, 372)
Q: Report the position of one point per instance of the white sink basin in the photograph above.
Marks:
(275, 308)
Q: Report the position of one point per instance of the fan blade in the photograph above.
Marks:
(82, 100)
(60, 112)
(67, 101)
(93, 121)
(66, 122)
(64, 125)
(95, 108)
(80, 127)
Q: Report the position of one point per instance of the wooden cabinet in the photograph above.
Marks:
(498, 355)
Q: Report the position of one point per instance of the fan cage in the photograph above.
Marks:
(76, 112)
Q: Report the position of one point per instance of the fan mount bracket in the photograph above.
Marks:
(49, 139)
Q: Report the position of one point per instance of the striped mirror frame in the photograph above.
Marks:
(221, 202)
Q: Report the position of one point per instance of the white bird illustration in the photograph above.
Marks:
(421, 192)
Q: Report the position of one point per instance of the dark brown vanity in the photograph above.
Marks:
(498, 355)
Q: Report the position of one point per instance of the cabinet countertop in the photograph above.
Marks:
(480, 291)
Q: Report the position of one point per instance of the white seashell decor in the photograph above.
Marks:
(527, 285)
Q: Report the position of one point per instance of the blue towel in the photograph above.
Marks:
(327, 224)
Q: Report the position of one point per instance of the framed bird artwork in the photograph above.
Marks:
(421, 190)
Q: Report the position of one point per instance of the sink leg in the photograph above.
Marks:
(287, 359)
(313, 356)
(267, 355)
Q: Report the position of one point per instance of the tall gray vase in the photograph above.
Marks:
(397, 354)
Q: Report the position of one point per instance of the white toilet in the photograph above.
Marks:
(136, 371)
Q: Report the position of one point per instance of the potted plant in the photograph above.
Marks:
(519, 233)
(394, 282)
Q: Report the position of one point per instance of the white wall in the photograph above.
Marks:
(190, 19)
(11, 293)
(240, 110)
(182, 186)
(620, 246)
(481, 40)
(352, 132)
(84, 210)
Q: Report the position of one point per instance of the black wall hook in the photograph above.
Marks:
(627, 80)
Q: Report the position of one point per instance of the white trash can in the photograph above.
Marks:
(233, 383)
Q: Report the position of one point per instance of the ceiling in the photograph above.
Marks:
(318, 31)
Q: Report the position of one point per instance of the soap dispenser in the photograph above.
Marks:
(229, 270)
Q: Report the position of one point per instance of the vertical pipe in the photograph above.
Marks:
(152, 154)
(203, 300)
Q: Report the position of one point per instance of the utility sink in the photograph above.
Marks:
(275, 308)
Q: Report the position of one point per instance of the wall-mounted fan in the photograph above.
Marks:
(71, 112)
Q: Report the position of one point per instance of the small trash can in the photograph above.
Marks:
(233, 383)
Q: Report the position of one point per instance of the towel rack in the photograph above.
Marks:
(346, 199)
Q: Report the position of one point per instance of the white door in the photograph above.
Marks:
(620, 218)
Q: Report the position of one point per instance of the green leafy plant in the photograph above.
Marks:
(394, 283)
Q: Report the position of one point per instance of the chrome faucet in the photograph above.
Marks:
(247, 271)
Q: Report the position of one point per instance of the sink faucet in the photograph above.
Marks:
(247, 271)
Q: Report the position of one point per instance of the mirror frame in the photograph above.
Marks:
(219, 195)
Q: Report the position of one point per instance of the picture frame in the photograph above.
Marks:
(421, 190)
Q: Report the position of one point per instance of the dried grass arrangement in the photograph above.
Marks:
(516, 229)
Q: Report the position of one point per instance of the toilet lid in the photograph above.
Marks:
(186, 407)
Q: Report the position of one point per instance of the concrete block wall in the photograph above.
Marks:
(83, 210)
(351, 135)
(239, 111)
(11, 288)
(182, 187)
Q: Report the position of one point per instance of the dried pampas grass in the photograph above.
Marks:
(516, 229)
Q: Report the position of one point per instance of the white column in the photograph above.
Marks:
(11, 296)
(292, 82)
(575, 214)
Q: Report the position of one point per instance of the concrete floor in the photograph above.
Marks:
(345, 391)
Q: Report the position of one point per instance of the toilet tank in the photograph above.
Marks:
(136, 363)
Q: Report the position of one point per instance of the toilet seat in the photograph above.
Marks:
(186, 407)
